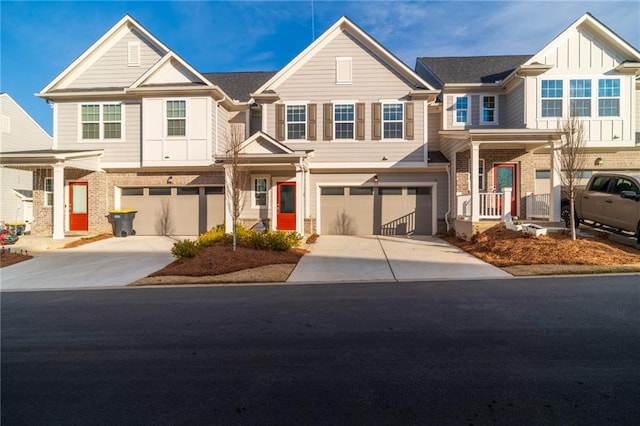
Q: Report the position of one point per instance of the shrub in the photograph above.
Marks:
(185, 248)
(282, 241)
(212, 236)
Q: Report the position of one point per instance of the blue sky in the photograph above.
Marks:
(39, 39)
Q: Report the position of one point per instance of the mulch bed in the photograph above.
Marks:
(87, 240)
(221, 259)
(8, 259)
(502, 247)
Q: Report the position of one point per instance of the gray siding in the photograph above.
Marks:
(23, 132)
(515, 108)
(111, 69)
(126, 150)
(10, 203)
(474, 106)
(372, 81)
(434, 129)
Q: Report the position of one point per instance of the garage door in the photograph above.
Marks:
(183, 211)
(378, 211)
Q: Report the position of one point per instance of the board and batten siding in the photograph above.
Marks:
(372, 81)
(112, 69)
(125, 150)
(366, 179)
(583, 56)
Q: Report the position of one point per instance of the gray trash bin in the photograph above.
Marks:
(122, 221)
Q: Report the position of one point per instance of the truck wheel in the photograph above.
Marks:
(565, 214)
(638, 233)
(123, 233)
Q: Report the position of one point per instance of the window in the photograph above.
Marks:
(211, 190)
(551, 98)
(176, 118)
(332, 191)
(188, 190)
(481, 174)
(543, 174)
(101, 121)
(580, 98)
(462, 109)
(160, 191)
(259, 192)
(343, 115)
(609, 97)
(126, 192)
(357, 190)
(48, 192)
(488, 109)
(389, 191)
(421, 190)
(343, 70)
(392, 121)
(296, 121)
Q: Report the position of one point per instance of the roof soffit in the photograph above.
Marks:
(100, 47)
(344, 24)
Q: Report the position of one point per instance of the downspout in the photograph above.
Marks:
(446, 215)
(217, 124)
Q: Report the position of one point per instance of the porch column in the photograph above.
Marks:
(555, 181)
(300, 212)
(228, 200)
(58, 201)
(475, 184)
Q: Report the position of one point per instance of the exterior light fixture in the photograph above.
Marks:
(375, 179)
(598, 161)
(169, 180)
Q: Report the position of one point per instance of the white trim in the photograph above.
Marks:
(100, 122)
(305, 122)
(165, 59)
(363, 165)
(104, 42)
(45, 202)
(254, 205)
(353, 122)
(167, 118)
(382, 121)
(422, 184)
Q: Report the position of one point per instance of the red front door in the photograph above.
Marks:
(505, 176)
(78, 206)
(286, 206)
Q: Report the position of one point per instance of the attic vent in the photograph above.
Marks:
(133, 57)
(343, 70)
(5, 124)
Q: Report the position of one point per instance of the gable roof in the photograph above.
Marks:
(81, 61)
(591, 22)
(345, 24)
(239, 85)
(190, 75)
(468, 69)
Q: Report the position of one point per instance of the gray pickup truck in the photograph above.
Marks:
(609, 199)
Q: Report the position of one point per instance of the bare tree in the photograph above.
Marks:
(572, 164)
(237, 178)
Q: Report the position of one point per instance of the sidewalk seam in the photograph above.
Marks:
(387, 259)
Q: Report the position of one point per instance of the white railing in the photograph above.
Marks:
(538, 206)
(490, 205)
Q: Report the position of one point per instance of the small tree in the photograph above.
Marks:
(237, 176)
(572, 163)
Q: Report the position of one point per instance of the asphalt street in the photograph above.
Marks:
(522, 351)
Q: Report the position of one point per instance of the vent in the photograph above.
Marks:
(133, 57)
(343, 70)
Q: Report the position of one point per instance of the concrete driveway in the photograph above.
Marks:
(336, 258)
(106, 263)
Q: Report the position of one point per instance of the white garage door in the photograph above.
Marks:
(182, 211)
(377, 211)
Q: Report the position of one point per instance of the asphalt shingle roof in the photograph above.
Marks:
(470, 69)
(239, 85)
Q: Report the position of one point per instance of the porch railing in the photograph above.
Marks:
(538, 206)
(490, 205)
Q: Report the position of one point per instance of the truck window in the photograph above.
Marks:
(600, 184)
(622, 184)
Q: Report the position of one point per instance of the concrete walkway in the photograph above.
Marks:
(106, 263)
(336, 258)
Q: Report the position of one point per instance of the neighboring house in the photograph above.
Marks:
(502, 115)
(18, 132)
(344, 139)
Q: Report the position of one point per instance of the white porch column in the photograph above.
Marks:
(475, 184)
(228, 200)
(555, 181)
(506, 204)
(300, 211)
(58, 201)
